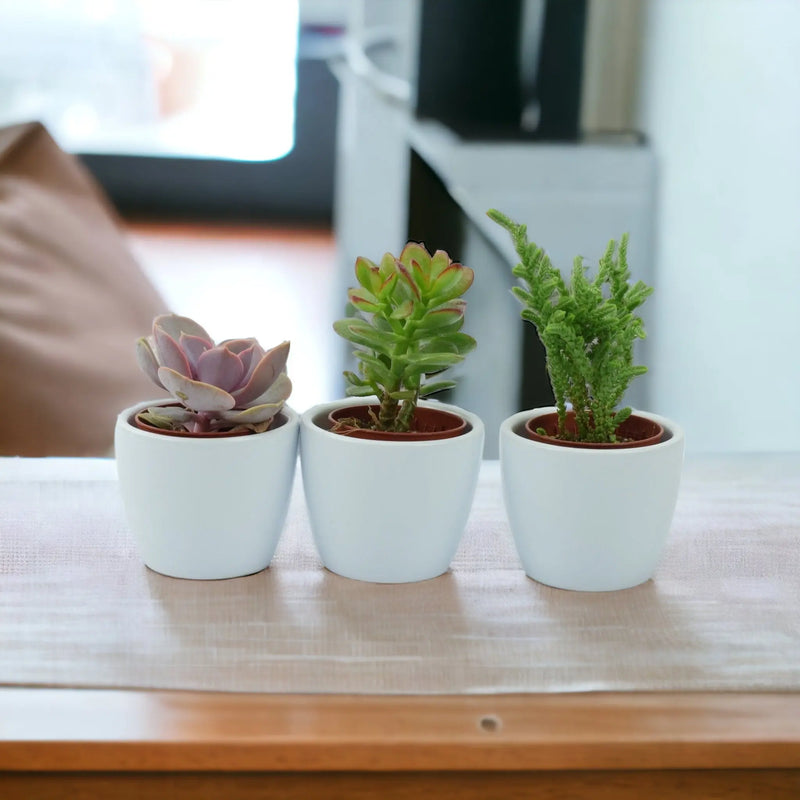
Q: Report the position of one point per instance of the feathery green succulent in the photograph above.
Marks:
(408, 327)
(588, 328)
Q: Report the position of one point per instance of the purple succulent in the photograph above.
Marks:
(231, 385)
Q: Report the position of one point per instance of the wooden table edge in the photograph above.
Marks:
(45, 729)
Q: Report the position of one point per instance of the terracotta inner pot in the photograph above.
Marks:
(137, 422)
(636, 431)
(427, 424)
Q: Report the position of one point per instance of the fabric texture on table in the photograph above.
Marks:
(79, 609)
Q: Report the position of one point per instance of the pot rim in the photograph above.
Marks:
(652, 438)
(124, 419)
(310, 420)
(459, 426)
(515, 426)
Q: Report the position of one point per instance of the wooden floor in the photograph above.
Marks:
(271, 283)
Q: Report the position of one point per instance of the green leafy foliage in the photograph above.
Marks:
(588, 328)
(407, 327)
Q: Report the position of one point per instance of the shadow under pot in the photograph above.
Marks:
(590, 518)
(388, 511)
(206, 507)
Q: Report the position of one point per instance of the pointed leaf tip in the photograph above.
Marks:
(169, 352)
(415, 251)
(174, 325)
(147, 360)
(272, 363)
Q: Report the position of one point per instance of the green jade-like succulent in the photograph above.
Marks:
(231, 386)
(588, 328)
(407, 328)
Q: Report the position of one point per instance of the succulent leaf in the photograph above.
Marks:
(220, 367)
(272, 363)
(387, 266)
(433, 362)
(147, 360)
(250, 358)
(415, 251)
(421, 277)
(170, 354)
(441, 317)
(252, 415)
(193, 347)
(278, 391)
(443, 330)
(440, 262)
(404, 310)
(195, 395)
(360, 332)
(439, 386)
(458, 342)
(174, 325)
(384, 291)
(176, 413)
(368, 274)
(407, 276)
(354, 379)
(377, 368)
(278, 356)
(167, 417)
(363, 300)
(238, 346)
(351, 390)
(452, 282)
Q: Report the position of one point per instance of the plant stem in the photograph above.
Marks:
(387, 414)
(406, 414)
(393, 416)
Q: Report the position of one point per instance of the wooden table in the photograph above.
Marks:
(78, 609)
(59, 743)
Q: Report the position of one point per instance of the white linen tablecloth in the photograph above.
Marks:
(78, 608)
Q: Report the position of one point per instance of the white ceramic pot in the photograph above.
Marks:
(206, 508)
(387, 512)
(589, 520)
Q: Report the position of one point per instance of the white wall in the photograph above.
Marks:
(720, 100)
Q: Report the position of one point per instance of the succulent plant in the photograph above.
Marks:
(588, 328)
(234, 385)
(407, 328)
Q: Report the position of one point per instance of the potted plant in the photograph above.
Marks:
(389, 481)
(206, 476)
(590, 488)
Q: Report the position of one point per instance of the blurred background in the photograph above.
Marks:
(254, 149)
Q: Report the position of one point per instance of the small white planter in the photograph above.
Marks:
(206, 508)
(388, 512)
(589, 520)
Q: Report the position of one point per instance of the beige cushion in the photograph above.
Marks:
(72, 303)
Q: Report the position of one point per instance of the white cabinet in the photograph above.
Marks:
(573, 197)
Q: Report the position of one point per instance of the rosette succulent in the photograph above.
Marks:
(408, 327)
(231, 386)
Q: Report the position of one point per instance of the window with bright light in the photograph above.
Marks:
(186, 78)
